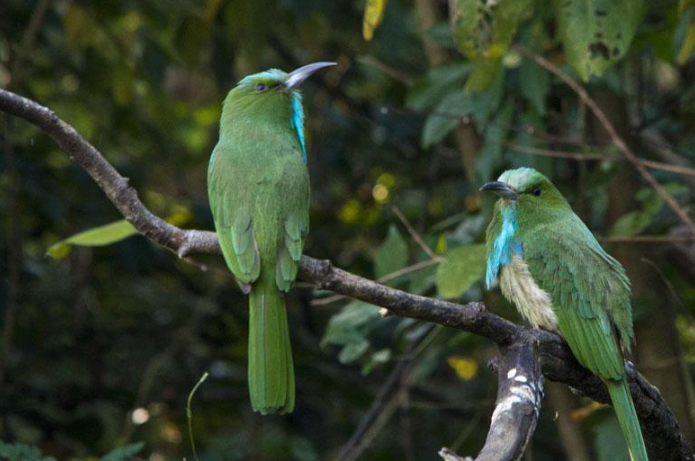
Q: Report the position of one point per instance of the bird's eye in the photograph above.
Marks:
(536, 191)
(261, 87)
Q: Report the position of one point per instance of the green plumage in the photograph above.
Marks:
(588, 290)
(258, 186)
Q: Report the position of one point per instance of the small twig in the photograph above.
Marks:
(559, 153)
(392, 72)
(682, 170)
(671, 289)
(468, 119)
(28, 39)
(580, 156)
(180, 339)
(189, 413)
(612, 133)
(414, 234)
(406, 422)
(149, 375)
(649, 239)
(412, 268)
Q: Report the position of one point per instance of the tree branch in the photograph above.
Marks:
(519, 394)
(664, 438)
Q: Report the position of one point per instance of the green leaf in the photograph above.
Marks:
(350, 329)
(483, 75)
(483, 32)
(463, 267)
(21, 452)
(630, 224)
(493, 146)
(97, 236)
(686, 34)
(351, 324)
(488, 102)
(634, 222)
(303, 449)
(466, 17)
(452, 108)
(422, 280)
(391, 255)
(123, 453)
(440, 34)
(534, 83)
(596, 33)
(373, 15)
(353, 351)
(438, 83)
(377, 358)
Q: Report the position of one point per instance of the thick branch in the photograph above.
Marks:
(662, 433)
(519, 394)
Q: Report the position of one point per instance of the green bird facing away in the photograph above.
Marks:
(258, 186)
(560, 279)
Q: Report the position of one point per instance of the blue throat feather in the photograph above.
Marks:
(505, 244)
(298, 119)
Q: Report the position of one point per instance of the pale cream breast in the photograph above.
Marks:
(534, 303)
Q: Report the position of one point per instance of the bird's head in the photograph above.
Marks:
(270, 87)
(534, 198)
(271, 96)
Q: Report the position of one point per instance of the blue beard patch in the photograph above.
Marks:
(505, 244)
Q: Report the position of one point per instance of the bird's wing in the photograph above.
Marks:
(233, 221)
(295, 222)
(296, 226)
(589, 290)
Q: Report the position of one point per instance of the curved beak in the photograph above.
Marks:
(296, 77)
(502, 189)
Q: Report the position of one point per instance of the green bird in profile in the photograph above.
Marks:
(554, 271)
(258, 186)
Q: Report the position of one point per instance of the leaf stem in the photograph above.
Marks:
(189, 413)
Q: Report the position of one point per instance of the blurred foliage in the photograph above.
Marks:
(462, 267)
(109, 341)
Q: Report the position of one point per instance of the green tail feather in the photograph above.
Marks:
(271, 373)
(627, 418)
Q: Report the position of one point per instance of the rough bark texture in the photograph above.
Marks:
(664, 438)
(519, 395)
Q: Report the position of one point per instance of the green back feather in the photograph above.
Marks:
(589, 289)
(258, 186)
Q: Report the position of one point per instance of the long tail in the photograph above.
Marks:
(271, 373)
(627, 418)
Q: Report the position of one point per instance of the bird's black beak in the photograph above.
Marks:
(502, 189)
(296, 77)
